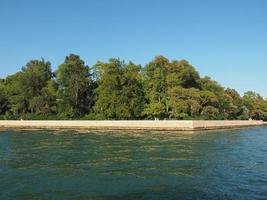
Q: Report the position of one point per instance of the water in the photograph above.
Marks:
(133, 165)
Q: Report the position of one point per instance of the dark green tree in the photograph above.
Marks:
(108, 99)
(132, 91)
(120, 92)
(264, 110)
(4, 104)
(35, 76)
(46, 103)
(25, 86)
(75, 88)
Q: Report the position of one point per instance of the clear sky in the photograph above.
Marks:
(224, 39)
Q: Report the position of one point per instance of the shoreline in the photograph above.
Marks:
(161, 125)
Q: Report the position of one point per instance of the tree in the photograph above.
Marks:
(155, 74)
(253, 103)
(132, 91)
(75, 87)
(120, 92)
(208, 98)
(46, 104)
(4, 104)
(35, 76)
(183, 102)
(210, 112)
(236, 104)
(108, 79)
(187, 74)
(264, 110)
(18, 102)
(26, 85)
(208, 84)
(154, 110)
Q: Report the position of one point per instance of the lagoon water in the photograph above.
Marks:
(133, 165)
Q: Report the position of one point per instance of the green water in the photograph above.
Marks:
(131, 165)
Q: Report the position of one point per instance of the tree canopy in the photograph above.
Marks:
(162, 89)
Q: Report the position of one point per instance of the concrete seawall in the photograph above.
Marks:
(177, 125)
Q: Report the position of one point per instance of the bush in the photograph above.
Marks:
(93, 116)
(30, 116)
(11, 116)
(210, 112)
(180, 116)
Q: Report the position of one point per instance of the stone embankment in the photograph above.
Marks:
(164, 125)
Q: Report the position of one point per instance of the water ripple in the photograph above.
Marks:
(133, 165)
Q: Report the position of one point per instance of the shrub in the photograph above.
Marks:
(93, 116)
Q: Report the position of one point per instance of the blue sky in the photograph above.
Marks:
(226, 40)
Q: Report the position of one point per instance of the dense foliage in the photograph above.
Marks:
(162, 89)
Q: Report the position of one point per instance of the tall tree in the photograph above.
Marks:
(4, 104)
(187, 74)
(164, 83)
(132, 91)
(120, 91)
(108, 78)
(46, 104)
(253, 103)
(155, 74)
(35, 76)
(23, 87)
(75, 87)
(18, 102)
(235, 109)
(264, 110)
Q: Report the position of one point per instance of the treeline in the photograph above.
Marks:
(162, 89)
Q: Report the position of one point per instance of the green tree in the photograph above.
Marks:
(187, 74)
(18, 102)
(155, 74)
(253, 103)
(120, 91)
(35, 76)
(4, 104)
(23, 87)
(75, 87)
(183, 102)
(208, 98)
(210, 112)
(154, 110)
(208, 84)
(46, 104)
(264, 110)
(132, 91)
(108, 99)
(236, 108)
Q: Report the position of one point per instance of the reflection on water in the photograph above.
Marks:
(133, 165)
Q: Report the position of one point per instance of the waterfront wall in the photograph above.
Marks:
(178, 125)
(221, 124)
